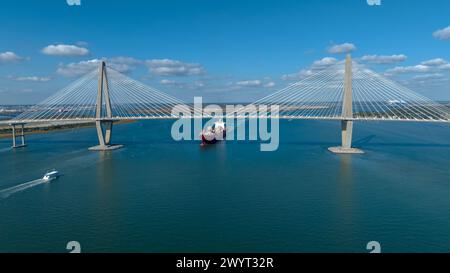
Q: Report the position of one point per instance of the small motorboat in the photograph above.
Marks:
(51, 176)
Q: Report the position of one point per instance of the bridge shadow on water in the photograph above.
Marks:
(368, 141)
(361, 143)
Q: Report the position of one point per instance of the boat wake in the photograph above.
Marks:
(10, 191)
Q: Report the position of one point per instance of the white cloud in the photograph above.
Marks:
(442, 34)
(325, 62)
(168, 67)
(73, 2)
(126, 60)
(249, 83)
(428, 76)
(65, 50)
(316, 66)
(269, 84)
(341, 48)
(9, 57)
(168, 82)
(434, 62)
(77, 69)
(432, 67)
(427, 80)
(183, 85)
(121, 64)
(384, 59)
(266, 83)
(30, 79)
(420, 68)
(296, 76)
(163, 67)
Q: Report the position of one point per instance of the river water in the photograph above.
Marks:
(158, 195)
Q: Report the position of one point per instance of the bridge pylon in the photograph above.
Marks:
(104, 123)
(347, 113)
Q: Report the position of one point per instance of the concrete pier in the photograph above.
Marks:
(21, 135)
(347, 114)
(104, 132)
(105, 148)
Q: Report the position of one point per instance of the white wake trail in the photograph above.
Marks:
(10, 191)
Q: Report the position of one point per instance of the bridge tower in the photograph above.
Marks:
(104, 123)
(347, 113)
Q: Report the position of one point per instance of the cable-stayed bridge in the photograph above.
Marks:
(345, 91)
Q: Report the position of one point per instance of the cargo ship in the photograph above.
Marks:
(214, 133)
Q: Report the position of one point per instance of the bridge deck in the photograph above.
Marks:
(84, 120)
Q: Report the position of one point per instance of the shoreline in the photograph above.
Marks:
(6, 132)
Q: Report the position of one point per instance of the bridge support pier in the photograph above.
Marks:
(106, 121)
(104, 133)
(347, 114)
(347, 134)
(21, 135)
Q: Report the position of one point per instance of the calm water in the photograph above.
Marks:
(157, 195)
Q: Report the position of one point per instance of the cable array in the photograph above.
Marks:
(318, 96)
(375, 97)
(129, 99)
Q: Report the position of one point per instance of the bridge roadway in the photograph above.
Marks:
(84, 120)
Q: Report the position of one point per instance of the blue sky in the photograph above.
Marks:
(223, 50)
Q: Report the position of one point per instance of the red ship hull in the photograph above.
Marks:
(205, 140)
